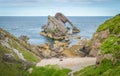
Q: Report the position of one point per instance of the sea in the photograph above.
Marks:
(31, 26)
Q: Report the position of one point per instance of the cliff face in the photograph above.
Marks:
(15, 55)
(105, 45)
(106, 36)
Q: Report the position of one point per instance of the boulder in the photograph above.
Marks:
(68, 53)
(105, 34)
(76, 49)
(93, 52)
(44, 49)
(30, 70)
(24, 38)
(85, 50)
(8, 57)
(53, 54)
(100, 57)
(60, 46)
(97, 40)
(75, 30)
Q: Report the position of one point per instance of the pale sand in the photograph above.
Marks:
(72, 63)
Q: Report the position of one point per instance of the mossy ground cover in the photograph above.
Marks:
(112, 46)
(106, 68)
(49, 70)
(17, 44)
(16, 68)
(112, 24)
(27, 54)
(11, 69)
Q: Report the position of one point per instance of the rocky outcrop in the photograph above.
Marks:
(97, 40)
(8, 57)
(24, 38)
(105, 46)
(15, 54)
(104, 43)
(61, 17)
(56, 29)
(60, 46)
(45, 50)
(63, 49)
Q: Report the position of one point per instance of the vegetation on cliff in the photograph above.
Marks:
(112, 46)
(109, 44)
(15, 58)
(112, 24)
(106, 68)
(18, 56)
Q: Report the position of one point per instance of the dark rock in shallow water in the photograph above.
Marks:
(56, 29)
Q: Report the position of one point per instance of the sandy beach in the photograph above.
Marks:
(72, 63)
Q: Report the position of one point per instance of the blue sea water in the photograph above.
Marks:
(31, 26)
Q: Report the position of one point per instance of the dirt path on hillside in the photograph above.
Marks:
(72, 63)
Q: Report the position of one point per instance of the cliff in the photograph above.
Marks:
(16, 56)
(105, 45)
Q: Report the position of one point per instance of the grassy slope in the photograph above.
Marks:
(110, 45)
(106, 68)
(20, 45)
(14, 68)
(49, 70)
(112, 24)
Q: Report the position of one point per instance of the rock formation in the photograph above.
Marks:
(24, 38)
(105, 40)
(44, 49)
(105, 46)
(97, 40)
(56, 29)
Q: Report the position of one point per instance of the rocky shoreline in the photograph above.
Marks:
(56, 30)
(21, 55)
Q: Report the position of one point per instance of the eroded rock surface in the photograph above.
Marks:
(56, 29)
(97, 40)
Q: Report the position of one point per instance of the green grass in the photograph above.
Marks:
(20, 46)
(112, 72)
(49, 70)
(13, 69)
(29, 56)
(4, 49)
(106, 68)
(111, 45)
(112, 24)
